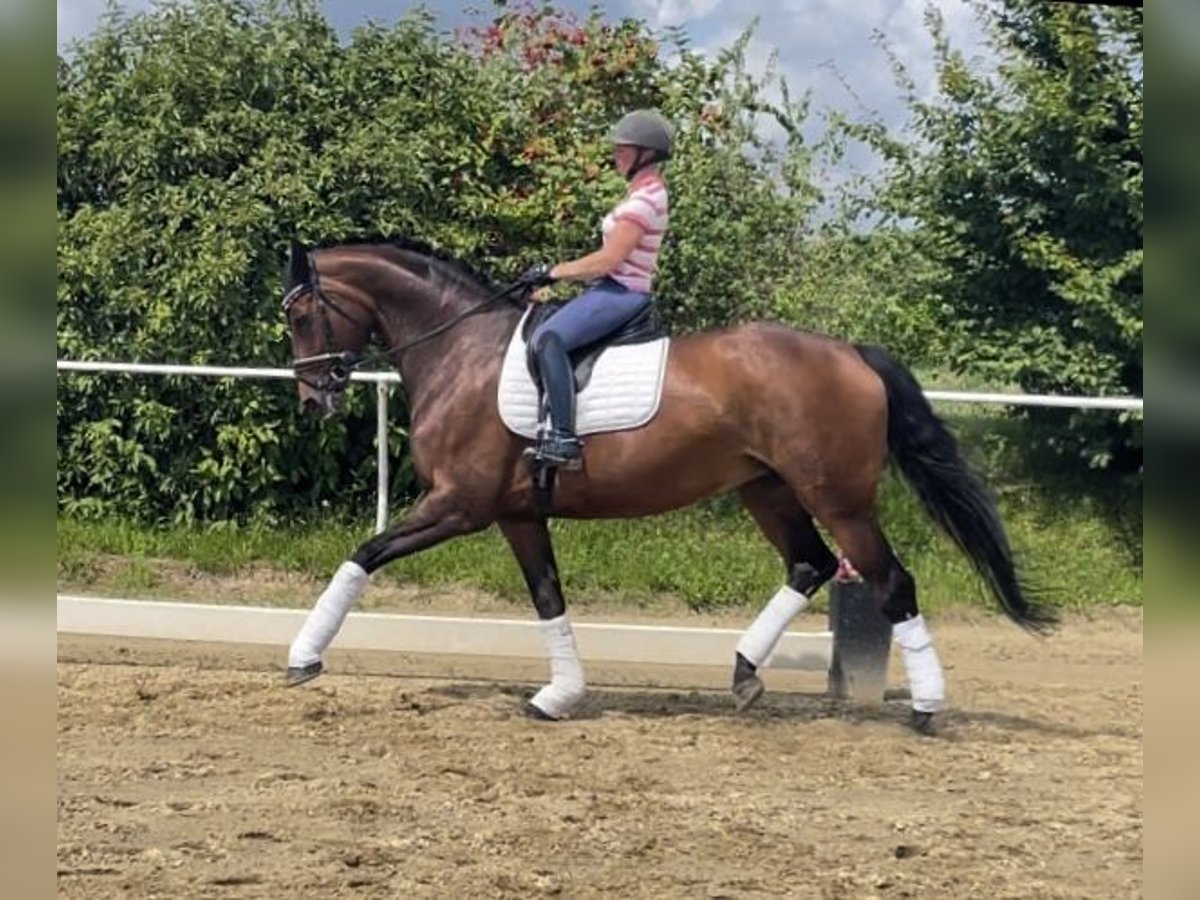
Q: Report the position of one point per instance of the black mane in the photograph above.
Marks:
(440, 261)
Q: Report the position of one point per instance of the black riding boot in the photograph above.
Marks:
(558, 445)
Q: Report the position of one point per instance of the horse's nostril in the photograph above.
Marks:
(311, 406)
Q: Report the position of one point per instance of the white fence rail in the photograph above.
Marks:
(383, 379)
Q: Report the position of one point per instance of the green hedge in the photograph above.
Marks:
(194, 142)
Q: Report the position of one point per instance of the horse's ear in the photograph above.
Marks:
(298, 271)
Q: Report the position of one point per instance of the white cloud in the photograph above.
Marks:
(829, 48)
(664, 13)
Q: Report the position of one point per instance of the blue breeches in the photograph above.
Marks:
(599, 311)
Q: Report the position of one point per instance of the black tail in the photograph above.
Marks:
(951, 492)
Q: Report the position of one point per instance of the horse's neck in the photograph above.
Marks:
(472, 348)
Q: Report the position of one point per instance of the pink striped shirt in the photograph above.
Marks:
(645, 204)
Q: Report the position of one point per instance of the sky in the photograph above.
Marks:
(823, 46)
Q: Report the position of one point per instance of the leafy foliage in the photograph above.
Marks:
(196, 140)
(869, 287)
(1025, 189)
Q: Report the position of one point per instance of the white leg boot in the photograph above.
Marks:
(759, 641)
(566, 687)
(764, 633)
(323, 623)
(925, 678)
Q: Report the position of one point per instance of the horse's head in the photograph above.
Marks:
(330, 324)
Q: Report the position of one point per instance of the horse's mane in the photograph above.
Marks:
(439, 261)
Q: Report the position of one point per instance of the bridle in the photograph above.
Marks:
(339, 365)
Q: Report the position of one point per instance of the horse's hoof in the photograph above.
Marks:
(924, 723)
(297, 675)
(747, 691)
(537, 714)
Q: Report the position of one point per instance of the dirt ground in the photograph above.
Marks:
(185, 770)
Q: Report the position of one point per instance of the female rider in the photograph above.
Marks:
(619, 276)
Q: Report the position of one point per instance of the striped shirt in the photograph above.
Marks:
(646, 205)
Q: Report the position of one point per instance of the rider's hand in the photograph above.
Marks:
(541, 295)
(536, 275)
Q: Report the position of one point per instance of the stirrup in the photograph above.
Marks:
(563, 451)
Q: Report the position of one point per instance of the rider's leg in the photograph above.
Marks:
(559, 445)
(597, 312)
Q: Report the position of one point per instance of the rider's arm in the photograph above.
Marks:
(621, 242)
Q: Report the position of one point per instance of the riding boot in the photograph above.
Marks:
(558, 445)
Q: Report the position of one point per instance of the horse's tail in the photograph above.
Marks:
(953, 495)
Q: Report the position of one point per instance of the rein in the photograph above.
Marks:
(344, 362)
(471, 310)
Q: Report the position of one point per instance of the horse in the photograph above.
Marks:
(800, 425)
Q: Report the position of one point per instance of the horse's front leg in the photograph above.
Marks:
(436, 518)
(530, 542)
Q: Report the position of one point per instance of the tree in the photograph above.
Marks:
(1023, 187)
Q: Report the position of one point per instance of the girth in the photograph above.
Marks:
(646, 326)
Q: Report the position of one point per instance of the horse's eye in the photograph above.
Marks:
(303, 321)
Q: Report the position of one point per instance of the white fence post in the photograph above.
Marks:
(381, 450)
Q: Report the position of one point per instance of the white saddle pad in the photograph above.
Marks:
(624, 391)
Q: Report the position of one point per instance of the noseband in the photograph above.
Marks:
(342, 363)
(339, 363)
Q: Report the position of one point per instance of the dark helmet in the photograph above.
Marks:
(645, 128)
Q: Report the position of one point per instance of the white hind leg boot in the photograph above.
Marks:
(757, 644)
(327, 616)
(925, 678)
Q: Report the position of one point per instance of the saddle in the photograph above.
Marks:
(646, 326)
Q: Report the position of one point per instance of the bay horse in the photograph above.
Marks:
(799, 424)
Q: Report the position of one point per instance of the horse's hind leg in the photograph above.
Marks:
(865, 546)
(530, 542)
(809, 563)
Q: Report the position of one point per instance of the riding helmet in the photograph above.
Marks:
(645, 128)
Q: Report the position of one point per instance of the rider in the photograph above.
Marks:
(619, 277)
